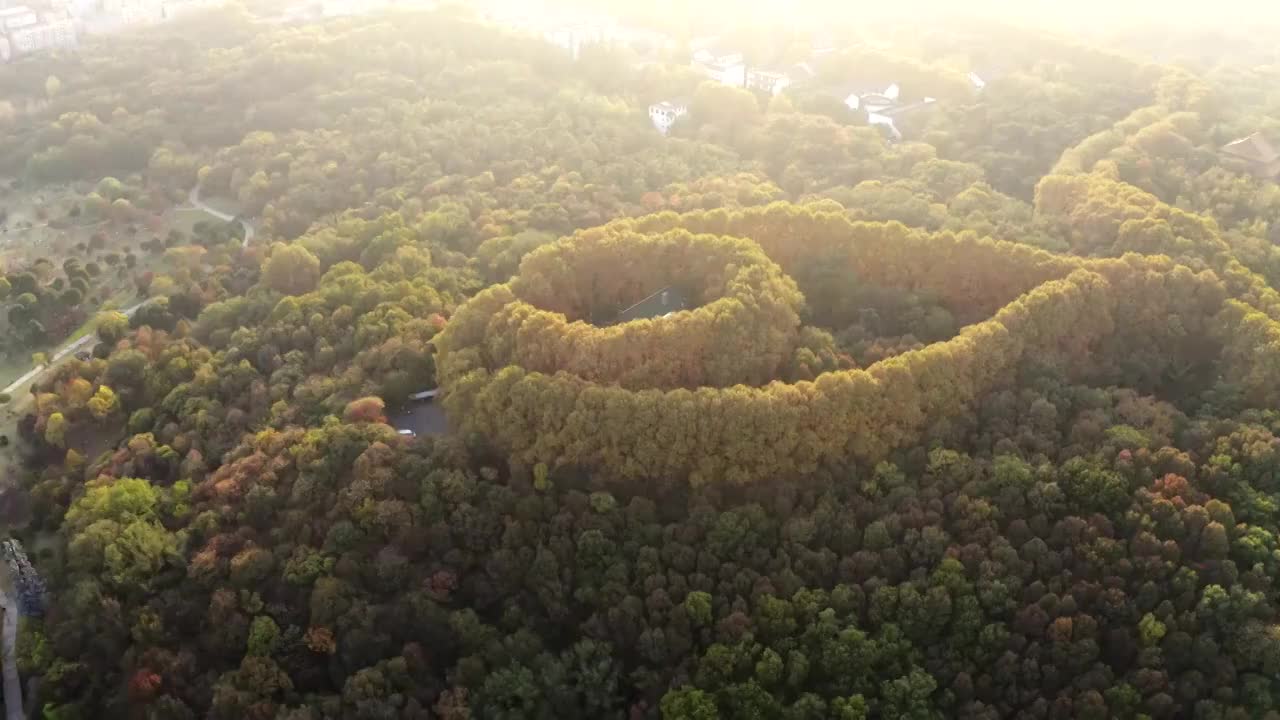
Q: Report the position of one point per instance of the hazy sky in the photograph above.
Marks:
(1085, 14)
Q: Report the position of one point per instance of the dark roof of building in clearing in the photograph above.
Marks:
(667, 300)
(1254, 148)
(872, 90)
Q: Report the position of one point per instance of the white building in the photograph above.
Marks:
(665, 114)
(727, 69)
(885, 122)
(883, 107)
(17, 17)
(770, 82)
(27, 33)
(874, 102)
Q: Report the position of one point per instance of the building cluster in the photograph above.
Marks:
(731, 68)
(108, 16)
(59, 24)
(24, 31)
(882, 104)
(727, 68)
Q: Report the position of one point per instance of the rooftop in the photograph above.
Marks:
(857, 88)
(1254, 148)
(907, 107)
(664, 302)
(673, 103)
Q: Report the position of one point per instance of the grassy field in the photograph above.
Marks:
(11, 370)
(121, 299)
(221, 203)
(21, 245)
(185, 219)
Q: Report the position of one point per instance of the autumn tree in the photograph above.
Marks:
(291, 269)
(366, 410)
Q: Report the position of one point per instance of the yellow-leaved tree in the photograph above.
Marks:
(104, 403)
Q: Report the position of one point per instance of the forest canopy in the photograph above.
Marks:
(474, 388)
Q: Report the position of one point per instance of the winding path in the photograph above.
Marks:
(64, 352)
(194, 198)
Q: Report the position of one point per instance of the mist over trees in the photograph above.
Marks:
(776, 415)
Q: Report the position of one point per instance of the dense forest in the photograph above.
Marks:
(979, 422)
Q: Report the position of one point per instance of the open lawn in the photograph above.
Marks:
(11, 370)
(122, 298)
(222, 203)
(184, 219)
(25, 229)
(26, 236)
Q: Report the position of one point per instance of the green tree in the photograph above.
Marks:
(104, 403)
(112, 326)
(688, 704)
(291, 269)
(55, 430)
(264, 635)
(698, 605)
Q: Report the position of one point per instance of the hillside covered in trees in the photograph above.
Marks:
(978, 422)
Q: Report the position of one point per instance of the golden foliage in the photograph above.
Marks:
(689, 396)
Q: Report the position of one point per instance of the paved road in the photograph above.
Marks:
(70, 348)
(194, 198)
(80, 344)
(423, 418)
(9, 657)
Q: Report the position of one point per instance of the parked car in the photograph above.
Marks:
(407, 433)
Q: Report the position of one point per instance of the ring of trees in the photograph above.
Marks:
(686, 396)
(741, 330)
